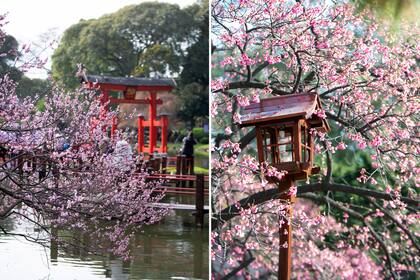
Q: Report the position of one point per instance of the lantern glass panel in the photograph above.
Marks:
(269, 144)
(305, 144)
(277, 144)
(285, 144)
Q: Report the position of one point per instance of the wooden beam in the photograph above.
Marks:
(132, 101)
(106, 86)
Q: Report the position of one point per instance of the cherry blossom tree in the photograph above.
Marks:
(367, 80)
(58, 169)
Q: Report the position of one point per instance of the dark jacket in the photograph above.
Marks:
(188, 146)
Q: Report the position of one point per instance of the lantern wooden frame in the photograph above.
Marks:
(283, 126)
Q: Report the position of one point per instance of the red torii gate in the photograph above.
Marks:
(129, 86)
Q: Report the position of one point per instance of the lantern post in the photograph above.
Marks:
(284, 141)
(152, 120)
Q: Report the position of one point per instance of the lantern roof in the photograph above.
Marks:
(129, 81)
(301, 105)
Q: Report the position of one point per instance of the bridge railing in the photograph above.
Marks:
(200, 191)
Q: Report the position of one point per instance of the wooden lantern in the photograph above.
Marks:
(283, 126)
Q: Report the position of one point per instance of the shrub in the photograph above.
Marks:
(204, 140)
(199, 133)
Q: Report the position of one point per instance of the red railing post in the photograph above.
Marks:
(199, 200)
(114, 126)
(164, 123)
(191, 167)
(152, 119)
(140, 133)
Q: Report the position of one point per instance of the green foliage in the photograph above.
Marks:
(193, 101)
(392, 8)
(204, 140)
(150, 61)
(148, 39)
(33, 87)
(41, 105)
(193, 95)
(201, 150)
(9, 49)
(197, 170)
(96, 44)
(198, 132)
(195, 67)
(196, 63)
(200, 135)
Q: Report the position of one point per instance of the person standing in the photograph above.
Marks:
(188, 145)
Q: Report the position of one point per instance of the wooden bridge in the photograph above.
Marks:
(179, 206)
(199, 191)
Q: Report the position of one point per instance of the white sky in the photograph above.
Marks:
(29, 19)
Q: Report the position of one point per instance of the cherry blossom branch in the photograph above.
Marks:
(384, 249)
(399, 224)
(360, 217)
(6, 212)
(250, 84)
(327, 178)
(270, 194)
(242, 265)
(299, 74)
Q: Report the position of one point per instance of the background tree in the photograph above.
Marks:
(32, 87)
(95, 43)
(11, 56)
(193, 102)
(148, 39)
(367, 83)
(9, 51)
(397, 10)
(193, 99)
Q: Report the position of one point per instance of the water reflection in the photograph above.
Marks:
(172, 249)
(202, 161)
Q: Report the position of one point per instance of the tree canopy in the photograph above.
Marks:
(11, 55)
(9, 51)
(193, 95)
(148, 39)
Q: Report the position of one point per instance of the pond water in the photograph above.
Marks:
(202, 161)
(172, 249)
